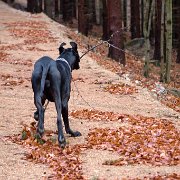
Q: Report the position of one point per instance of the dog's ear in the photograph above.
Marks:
(61, 49)
(74, 45)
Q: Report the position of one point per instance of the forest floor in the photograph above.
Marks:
(126, 134)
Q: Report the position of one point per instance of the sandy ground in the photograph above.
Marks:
(16, 104)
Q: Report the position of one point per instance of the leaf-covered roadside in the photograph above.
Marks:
(64, 162)
(32, 33)
(145, 140)
(137, 140)
(133, 70)
(122, 89)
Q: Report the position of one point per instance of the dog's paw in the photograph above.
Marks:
(62, 142)
(76, 134)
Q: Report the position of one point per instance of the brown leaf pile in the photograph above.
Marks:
(172, 102)
(64, 162)
(145, 140)
(11, 47)
(3, 56)
(33, 32)
(152, 142)
(19, 46)
(98, 115)
(141, 140)
(122, 89)
(9, 80)
(29, 24)
(33, 36)
(172, 176)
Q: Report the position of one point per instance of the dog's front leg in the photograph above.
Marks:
(61, 138)
(66, 121)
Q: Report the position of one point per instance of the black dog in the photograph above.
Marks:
(52, 80)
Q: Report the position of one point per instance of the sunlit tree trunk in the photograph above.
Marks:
(98, 11)
(115, 25)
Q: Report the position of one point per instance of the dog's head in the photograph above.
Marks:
(70, 54)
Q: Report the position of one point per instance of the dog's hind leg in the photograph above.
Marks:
(36, 78)
(36, 113)
(40, 109)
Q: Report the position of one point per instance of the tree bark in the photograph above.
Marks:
(147, 27)
(157, 48)
(162, 72)
(98, 10)
(68, 7)
(115, 29)
(105, 21)
(168, 37)
(135, 19)
(49, 8)
(34, 6)
(82, 17)
(57, 10)
(177, 30)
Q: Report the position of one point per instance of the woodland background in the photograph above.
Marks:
(128, 119)
(151, 24)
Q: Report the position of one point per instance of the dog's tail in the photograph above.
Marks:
(43, 79)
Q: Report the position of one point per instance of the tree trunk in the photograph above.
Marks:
(34, 6)
(92, 12)
(68, 7)
(157, 49)
(142, 17)
(135, 19)
(168, 36)
(82, 17)
(147, 27)
(162, 72)
(98, 10)
(49, 8)
(177, 30)
(125, 13)
(105, 21)
(115, 25)
(178, 53)
(57, 10)
(31, 4)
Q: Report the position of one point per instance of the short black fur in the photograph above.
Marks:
(52, 80)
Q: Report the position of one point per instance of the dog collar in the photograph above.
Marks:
(62, 59)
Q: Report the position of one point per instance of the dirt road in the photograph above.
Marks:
(23, 39)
